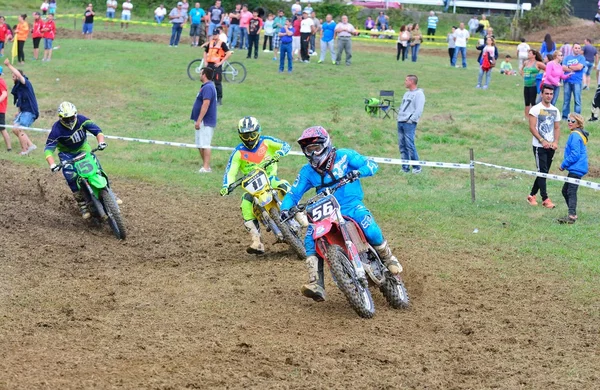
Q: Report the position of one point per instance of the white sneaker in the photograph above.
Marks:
(204, 170)
(31, 148)
(265, 51)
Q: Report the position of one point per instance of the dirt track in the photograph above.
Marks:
(181, 305)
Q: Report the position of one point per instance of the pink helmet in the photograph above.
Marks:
(316, 145)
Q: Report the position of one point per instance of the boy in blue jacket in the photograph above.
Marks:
(576, 162)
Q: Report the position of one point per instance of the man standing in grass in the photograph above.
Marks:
(126, 14)
(196, 16)
(216, 53)
(88, 22)
(328, 28)
(26, 102)
(544, 125)
(432, 22)
(344, 32)
(177, 17)
(409, 113)
(460, 39)
(204, 115)
(111, 9)
(574, 63)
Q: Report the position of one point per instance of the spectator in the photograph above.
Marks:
(488, 56)
(307, 28)
(297, 8)
(286, 34)
(544, 120)
(185, 6)
(254, 27)
(308, 9)
(522, 52)
(313, 36)
(506, 67)
(369, 23)
(197, 14)
(177, 17)
(245, 17)
(382, 21)
(415, 42)
(482, 45)
(216, 13)
(49, 30)
(473, 25)
(432, 22)
(111, 9)
(446, 5)
(595, 106)
(566, 49)
(4, 34)
(52, 7)
(597, 16)
(234, 25)
(217, 52)
(204, 114)
(460, 38)
(451, 45)
(36, 34)
(44, 7)
(548, 47)
(409, 113)
(279, 23)
(531, 68)
(402, 43)
(24, 99)
(269, 32)
(125, 14)
(554, 73)
(3, 105)
(485, 26)
(22, 33)
(344, 32)
(88, 22)
(573, 63)
(327, 38)
(591, 61)
(296, 37)
(576, 162)
(159, 14)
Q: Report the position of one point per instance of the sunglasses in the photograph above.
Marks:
(571, 120)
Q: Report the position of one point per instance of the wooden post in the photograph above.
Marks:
(472, 160)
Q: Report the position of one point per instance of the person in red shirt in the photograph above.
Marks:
(48, 31)
(3, 104)
(4, 34)
(36, 34)
(296, 37)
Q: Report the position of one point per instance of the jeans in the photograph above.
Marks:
(253, 41)
(327, 46)
(243, 37)
(576, 89)
(401, 51)
(543, 162)
(569, 192)
(211, 28)
(285, 49)
(159, 19)
(406, 144)
(232, 35)
(451, 51)
(175, 34)
(488, 76)
(463, 54)
(312, 43)
(414, 51)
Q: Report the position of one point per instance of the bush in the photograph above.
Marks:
(551, 13)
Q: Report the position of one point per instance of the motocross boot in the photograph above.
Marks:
(301, 219)
(315, 288)
(81, 203)
(390, 261)
(257, 247)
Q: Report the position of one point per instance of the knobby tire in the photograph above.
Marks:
(115, 219)
(394, 292)
(290, 238)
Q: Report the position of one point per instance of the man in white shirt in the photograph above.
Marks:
(344, 32)
(126, 14)
(296, 8)
(307, 27)
(111, 8)
(460, 39)
(522, 52)
(159, 13)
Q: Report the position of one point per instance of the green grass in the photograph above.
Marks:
(138, 89)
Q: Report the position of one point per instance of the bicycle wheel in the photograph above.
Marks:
(194, 69)
(234, 72)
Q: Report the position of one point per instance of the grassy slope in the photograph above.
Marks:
(141, 90)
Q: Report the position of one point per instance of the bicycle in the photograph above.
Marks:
(233, 72)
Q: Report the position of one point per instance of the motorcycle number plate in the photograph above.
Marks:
(85, 167)
(256, 183)
(321, 210)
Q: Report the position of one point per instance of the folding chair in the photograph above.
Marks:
(387, 104)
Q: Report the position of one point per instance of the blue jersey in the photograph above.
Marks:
(70, 141)
(346, 160)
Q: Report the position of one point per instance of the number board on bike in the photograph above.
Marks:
(86, 167)
(256, 182)
(322, 209)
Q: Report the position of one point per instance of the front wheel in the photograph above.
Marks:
(194, 69)
(394, 292)
(115, 219)
(234, 72)
(357, 295)
(288, 235)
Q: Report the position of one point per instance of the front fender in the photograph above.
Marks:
(321, 228)
(97, 181)
(264, 199)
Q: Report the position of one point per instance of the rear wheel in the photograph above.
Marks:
(234, 72)
(357, 295)
(394, 292)
(115, 219)
(194, 69)
(289, 236)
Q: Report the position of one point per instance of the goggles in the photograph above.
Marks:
(249, 136)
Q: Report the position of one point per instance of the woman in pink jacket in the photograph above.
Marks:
(554, 73)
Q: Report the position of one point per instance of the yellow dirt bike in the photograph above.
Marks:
(267, 206)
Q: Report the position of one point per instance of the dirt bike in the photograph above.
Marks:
(341, 243)
(266, 204)
(93, 184)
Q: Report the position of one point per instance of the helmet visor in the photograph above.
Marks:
(313, 149)
(249, 136)
(69, 121)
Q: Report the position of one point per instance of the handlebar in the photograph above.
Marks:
(71, 161)
(263, 165)
(346, 179)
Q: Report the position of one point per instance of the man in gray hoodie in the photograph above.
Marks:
(409, 113)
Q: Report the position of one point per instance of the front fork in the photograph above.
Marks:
(94, 200)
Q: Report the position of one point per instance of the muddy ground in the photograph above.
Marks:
(180, 305)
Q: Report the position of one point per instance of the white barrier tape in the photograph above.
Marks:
(193, 146)
(583, 183)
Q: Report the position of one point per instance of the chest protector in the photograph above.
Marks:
(215, 52)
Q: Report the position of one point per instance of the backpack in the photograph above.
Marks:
(372, 106)
(487, 62)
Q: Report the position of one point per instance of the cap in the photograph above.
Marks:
(305, 12)
(454, 27)
(216, 31)
(180, 4)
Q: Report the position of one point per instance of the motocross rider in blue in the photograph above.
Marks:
(326, 166)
